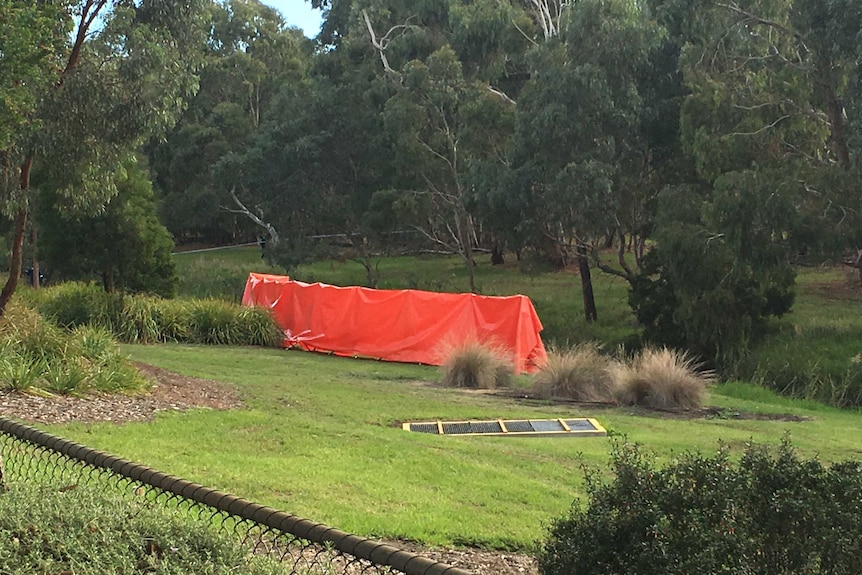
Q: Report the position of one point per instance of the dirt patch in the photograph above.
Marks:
(171, 392)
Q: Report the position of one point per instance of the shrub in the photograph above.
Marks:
(581, 374)
(477, 365)
(88, 531)
(72, 304)
(139, 320)
(36, 356)
(19, 372)
(662, 379)
(214, 322)
(150, 319)
(767, 514)
(95, 344)
(258, 327)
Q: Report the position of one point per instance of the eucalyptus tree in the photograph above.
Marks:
(766, 120)
(250, 54)
(454, 70)
(120, 78)
(579, 153)
(320, 155)
(125, 245)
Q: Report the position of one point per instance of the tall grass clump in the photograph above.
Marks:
(214, 322)
(258, 327)
(145, 319)
(72, 304)
(477, 365)
(38, 357)
(581, 373)
(139, 320)
(662, 379)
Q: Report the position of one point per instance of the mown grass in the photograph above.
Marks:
(556, 295)
(319, 438)
(813, 352)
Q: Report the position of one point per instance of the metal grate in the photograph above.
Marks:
(426, 428)
(561, 427)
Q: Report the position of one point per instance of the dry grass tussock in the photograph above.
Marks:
(477, 365)
(663, 379)
(581, 374)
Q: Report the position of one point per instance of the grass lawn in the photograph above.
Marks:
(317, 439)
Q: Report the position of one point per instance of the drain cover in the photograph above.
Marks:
(562, 427)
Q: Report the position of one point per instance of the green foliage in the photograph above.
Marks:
(73, 304)
(39, 357)
(477, 365)
(31, 40)
(581, 373)
(124, 246)
(771, 514)
(251, 56)
(662, 379)
(716, 274)
(148, 319)
(44, 529)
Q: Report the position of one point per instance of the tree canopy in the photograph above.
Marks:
(696, 149)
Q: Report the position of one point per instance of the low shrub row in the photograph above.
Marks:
(39, 357)
(769, 513)
(655, 378)
(149, 319)
(86, 531)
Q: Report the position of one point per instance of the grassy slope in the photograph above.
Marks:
(317, 437)
(317, 440)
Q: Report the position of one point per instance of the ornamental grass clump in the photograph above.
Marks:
(258, 327)
(581, 373)
(663, 379)
(38, 357)
(71, 304)
(214, 322)
(477, 365)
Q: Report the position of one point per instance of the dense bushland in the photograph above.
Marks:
(770, 513)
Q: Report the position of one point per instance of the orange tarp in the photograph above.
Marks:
(396, 325)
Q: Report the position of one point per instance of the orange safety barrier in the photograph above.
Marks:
(396, 325)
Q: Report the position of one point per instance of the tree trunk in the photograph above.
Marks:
(108, 281)
(838, 127)
(590, 312)
(34, 237)
(465, 238)
(20, 227)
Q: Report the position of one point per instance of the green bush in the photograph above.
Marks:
(150, 319)
(477, 365)
(36, 356)
(214, 322)
(581, 374)
(770, 514)
(72, 304)
(88, 532)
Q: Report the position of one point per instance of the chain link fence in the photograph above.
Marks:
(30, 455)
